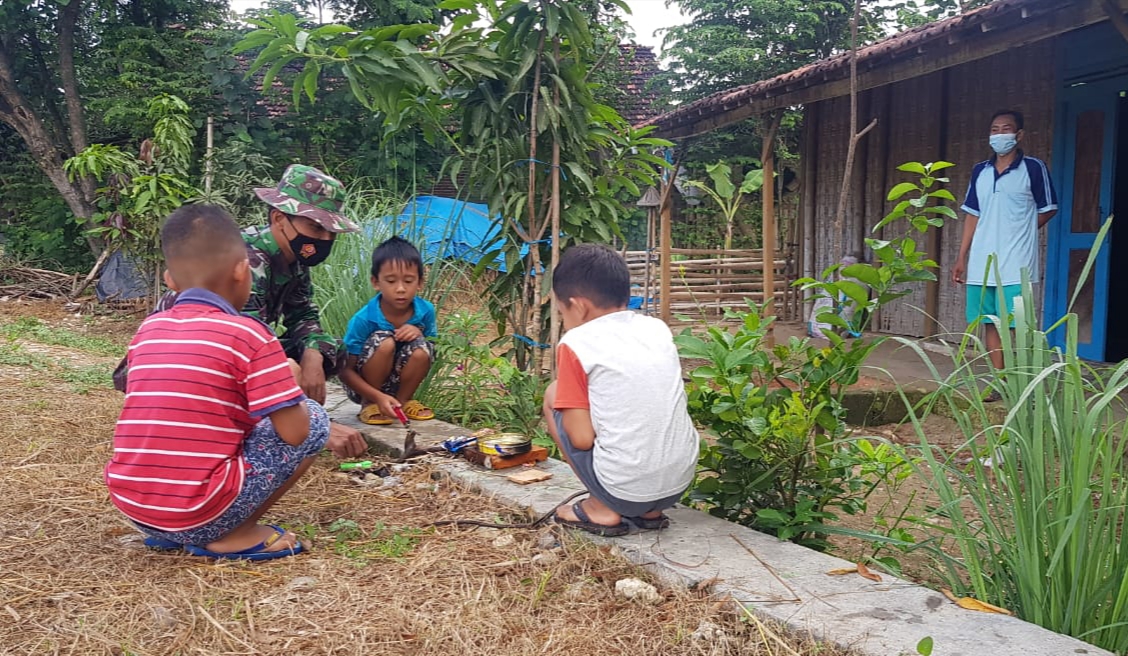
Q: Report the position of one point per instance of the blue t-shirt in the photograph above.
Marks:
(1008, 205)
(371, 318)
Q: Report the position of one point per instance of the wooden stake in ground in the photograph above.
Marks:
(665, 212)
(554, 237)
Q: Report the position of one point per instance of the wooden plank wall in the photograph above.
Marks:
(1029, 86)
(914, 136)
(944, 115)
(834, 241)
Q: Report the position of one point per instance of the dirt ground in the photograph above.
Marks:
(75, 578)
(902, 504)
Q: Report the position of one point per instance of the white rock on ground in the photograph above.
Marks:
(302, 584)
(707, 632)
(546, 559)
(637, 590)
(504, 541)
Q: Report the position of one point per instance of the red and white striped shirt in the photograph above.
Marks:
(200, 377)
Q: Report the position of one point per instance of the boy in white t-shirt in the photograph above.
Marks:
(617, 409)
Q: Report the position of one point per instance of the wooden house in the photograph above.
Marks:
(933, 89)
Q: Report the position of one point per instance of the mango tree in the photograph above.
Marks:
(505, 83)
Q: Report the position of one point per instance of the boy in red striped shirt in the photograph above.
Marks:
(215, 428)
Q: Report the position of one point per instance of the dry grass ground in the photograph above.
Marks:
(75, 579)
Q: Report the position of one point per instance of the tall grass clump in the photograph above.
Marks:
(1033, 523)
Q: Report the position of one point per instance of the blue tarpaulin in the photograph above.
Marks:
(449, 228)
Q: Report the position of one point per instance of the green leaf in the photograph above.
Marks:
(300, 41)
(721, 174)
(913, 167)
(854, 291)
(753, 181)
(942, 193)
(310, 75)
(924, 647)
(331, 30)
(900, 190)
(863, 272)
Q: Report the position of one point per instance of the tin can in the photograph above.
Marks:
(505, 444)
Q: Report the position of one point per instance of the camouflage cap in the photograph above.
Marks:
(305, 191)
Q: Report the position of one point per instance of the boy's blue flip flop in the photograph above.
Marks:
(162, 544)
(257, 552)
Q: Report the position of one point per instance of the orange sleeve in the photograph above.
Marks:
(571, 381)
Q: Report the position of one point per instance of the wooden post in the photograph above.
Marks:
(554, 258)
(648, 268)
(767, 157)
(809, 204)
(209, 165)
(554, 237)
(665, 213)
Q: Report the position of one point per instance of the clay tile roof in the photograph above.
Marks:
(772, 93)
(639, 101)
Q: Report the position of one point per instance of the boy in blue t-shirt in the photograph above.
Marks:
(389, 354)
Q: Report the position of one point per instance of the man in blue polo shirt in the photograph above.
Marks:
(1009, 198)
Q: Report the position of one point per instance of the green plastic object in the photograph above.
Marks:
(346, 466)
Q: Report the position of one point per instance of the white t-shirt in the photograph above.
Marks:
(624, 368)
(1008, 205)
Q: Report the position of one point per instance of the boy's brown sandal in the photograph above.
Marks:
(416, 411)
(371, 415)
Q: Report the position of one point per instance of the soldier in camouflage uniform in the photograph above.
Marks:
(305, 217)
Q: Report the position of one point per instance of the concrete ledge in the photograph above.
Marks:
(776, 579)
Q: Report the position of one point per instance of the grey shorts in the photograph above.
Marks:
(584, 466)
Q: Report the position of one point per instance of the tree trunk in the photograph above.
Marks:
(49, 84)
(16, 111)
(68, 16)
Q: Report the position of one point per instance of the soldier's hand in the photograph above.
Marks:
(312, 380)
(345, 442)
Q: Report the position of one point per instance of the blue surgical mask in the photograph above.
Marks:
(1003, 143)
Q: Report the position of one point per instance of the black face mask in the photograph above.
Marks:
(307, 250)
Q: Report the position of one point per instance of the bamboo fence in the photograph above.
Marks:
(707, 282)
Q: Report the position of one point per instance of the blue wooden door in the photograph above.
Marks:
(1083, 164)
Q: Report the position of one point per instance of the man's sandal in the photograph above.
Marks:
(584, 523)
(371, 415)
(650, 523)
(416, 411)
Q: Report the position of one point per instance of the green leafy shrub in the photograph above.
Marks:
(782, 460)
(472, 386)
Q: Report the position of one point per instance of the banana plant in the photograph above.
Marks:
(726, 194)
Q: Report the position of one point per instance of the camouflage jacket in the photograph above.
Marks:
(279, 292)
(284, 292)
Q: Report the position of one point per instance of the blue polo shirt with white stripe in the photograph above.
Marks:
(1008, 205)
